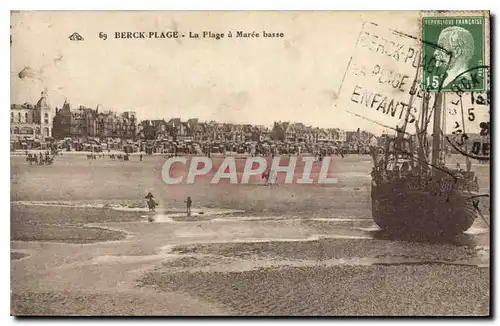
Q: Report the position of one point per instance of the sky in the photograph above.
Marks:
(257, 81)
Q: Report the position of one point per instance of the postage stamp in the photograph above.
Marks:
(463, 39)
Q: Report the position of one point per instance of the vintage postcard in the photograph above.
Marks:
(250, 163)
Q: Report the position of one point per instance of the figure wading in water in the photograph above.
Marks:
(151, 202)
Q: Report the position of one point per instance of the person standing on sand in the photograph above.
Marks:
(188, 202)
(271, 174)
(151, 202)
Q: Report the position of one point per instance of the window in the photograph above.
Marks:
(26, 117)
(19, 117)
(46, 116)
(12, 117)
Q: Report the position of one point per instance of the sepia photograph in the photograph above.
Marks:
(250, 163)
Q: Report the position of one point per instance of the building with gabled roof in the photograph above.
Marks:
(30, 123)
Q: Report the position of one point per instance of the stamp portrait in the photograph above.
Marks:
(462, 38)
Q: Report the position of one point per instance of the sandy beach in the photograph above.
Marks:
(81, 245)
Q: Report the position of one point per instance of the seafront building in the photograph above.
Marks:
(30, 125)
(81, 128)
(85, 123)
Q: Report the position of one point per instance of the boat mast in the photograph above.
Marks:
(401, 131)
(413, 92)
(443, 131)
(436, 130)
(422, 132)
(467, 159)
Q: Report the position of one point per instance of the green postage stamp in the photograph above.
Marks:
(453, 51)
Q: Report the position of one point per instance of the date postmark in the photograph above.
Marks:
(383, 80)
(469, 113)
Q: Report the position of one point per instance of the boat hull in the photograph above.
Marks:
(404, 210)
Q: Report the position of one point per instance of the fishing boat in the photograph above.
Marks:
(413, 191)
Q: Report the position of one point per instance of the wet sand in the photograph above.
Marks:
(288, 250)
(424, 290)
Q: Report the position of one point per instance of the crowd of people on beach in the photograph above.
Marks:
(262, 148)
(190, 146)
(41, 159)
